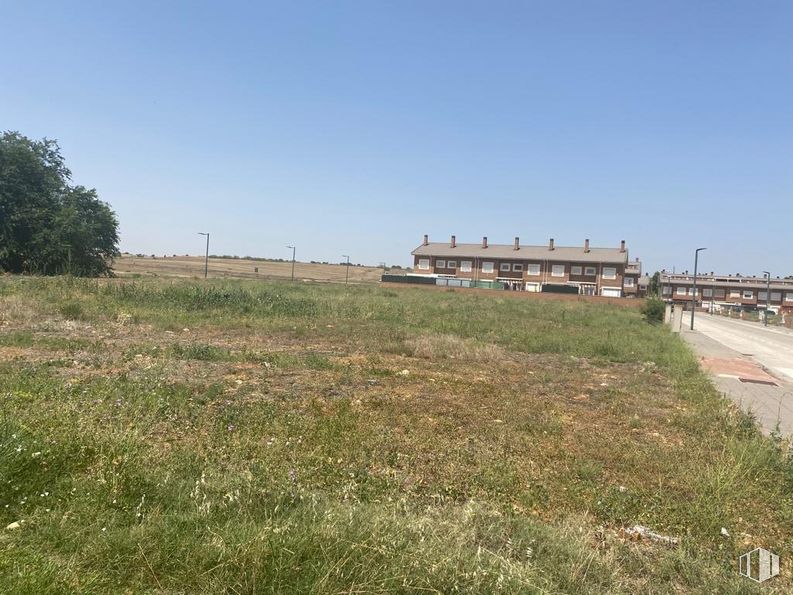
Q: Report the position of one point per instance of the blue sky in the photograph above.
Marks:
(356, 127)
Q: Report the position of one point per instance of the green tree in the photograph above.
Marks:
(654, 287)
(46, 225)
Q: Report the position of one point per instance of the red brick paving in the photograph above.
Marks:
(740, 368)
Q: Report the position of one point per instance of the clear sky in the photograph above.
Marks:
(356, 127)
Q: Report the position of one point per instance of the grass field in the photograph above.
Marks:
(190, 437)
(128, 265)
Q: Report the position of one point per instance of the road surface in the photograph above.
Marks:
(750, 364)
(771, 347)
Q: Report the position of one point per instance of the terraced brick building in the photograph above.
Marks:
(583, 269)
(738, 293)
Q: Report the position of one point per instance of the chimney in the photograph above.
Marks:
(454, 242)
(586, 245)
(426, 240)
(550, 244)
(622, 246)
(517, 243)
(484, 242)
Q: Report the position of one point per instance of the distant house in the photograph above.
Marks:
(738, 293)
(582, 269)
(644, 286)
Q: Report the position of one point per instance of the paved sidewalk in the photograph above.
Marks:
(772, 347)
(750, 385)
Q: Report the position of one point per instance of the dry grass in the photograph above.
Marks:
(17, 311)
(334, 441)
(435, 347)
(240, 268)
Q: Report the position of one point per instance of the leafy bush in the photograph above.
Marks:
(653, 310)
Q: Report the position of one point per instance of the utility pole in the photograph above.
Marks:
(206, 256)
(694, 287)
(347, 277)
(293, 261)
(767, 296)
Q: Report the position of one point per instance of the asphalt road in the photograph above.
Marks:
(771, 347)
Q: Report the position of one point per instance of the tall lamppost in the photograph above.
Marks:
(694, 287)
(347, 277)
(767, 296)
(206, 256)
(293, 261)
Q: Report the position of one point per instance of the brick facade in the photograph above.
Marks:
(593, 271)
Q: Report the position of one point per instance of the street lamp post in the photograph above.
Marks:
(347, 276)
(206, 256)
(293, 261)
(694, 287)
(767, 296)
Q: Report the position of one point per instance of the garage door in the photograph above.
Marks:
(611, 292)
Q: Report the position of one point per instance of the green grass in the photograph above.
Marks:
(275, 437)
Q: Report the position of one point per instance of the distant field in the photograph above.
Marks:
(180, 436)
(233, 268)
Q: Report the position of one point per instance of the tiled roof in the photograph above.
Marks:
(537, 253)
(731, 282)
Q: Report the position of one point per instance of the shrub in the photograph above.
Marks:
(653, 310)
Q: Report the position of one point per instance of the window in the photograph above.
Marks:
(518, 268)
(590, 271)
(504, 267)
(707, 292)
(719, 293)
(747, 295)
(424, 264)
(487, 267)
(533, 269)
(789, 297)
(465, 266)
(667, 290)
(557, 270)
(575, 270)
(681, 291)
(776, 296)
(452, 264)
(628, 282)
(609, 272)
(734, 293)
(440, 264)
(762, 295)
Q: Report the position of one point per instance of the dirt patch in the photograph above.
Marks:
(8, 353)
